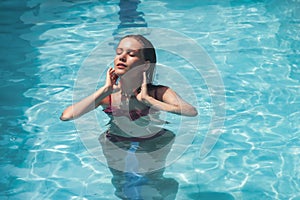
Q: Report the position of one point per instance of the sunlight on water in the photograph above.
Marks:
(255, 45)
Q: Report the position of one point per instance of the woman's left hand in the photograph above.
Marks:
(143, 95)
(170, 101)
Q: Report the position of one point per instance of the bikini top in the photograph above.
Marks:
(131, 114)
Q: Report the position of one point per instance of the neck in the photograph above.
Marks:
(128, 87)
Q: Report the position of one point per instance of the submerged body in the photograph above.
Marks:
(136, 145)
(131, 118)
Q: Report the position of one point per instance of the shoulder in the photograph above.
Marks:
(156, 87)
(104, 102)
(157, 91)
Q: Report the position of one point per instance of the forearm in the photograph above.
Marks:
(85, 105)
(181, 109)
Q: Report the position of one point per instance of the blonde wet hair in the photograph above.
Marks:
(148, 53)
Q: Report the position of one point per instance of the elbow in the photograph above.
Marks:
(192, 112)
(68, 114)
(65, 117)
(189, 111)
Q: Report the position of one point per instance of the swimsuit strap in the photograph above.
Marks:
(110, 100)
(108, 109)
(155, 93)
(133, 114)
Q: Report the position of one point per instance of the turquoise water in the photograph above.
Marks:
(255, 46)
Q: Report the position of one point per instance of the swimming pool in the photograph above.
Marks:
(253, 44)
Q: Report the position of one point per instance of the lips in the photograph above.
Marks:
(121, 65)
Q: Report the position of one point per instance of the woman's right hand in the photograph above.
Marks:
(94, 100)
(111, 79)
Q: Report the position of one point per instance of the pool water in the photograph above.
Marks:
(253, 43)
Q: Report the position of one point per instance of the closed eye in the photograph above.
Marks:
(119, 51)
(131, 53)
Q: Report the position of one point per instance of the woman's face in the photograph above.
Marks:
(128, 56)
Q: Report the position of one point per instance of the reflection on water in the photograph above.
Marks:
(44, 42)
(210, 196)
(129, 18)
(138, 166)
(17, 74)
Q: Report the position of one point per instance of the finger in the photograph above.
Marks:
(108, 71)
(135, 93)
(144, 85)
(115, 76)
(108, 76)
(111, 73)
(111, 70)
(144, 78)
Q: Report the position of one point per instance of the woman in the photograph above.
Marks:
(135, 145)
(133, 51)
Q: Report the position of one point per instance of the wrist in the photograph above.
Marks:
(107, 89)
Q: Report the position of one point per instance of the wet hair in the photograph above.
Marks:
(148, 53)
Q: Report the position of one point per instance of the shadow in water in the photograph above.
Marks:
(129, 18)
(137, 165)
(210, 196)
(17, 75)
(128, 15)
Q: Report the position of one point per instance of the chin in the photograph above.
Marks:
(120, 72)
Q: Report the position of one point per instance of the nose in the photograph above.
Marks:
(122, 57)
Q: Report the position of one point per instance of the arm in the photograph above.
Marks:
(87, 104)
(93, 101)
(171, 102)
(168, 101)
